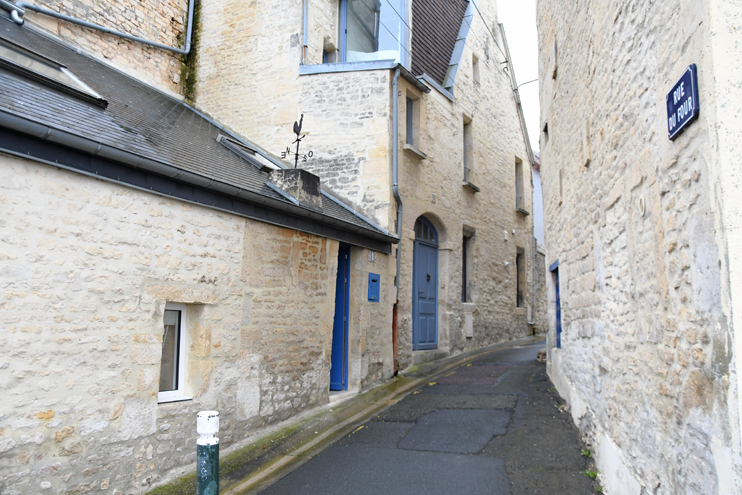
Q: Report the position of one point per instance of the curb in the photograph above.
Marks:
(299, 439)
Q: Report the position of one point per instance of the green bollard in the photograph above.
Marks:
(207, 453)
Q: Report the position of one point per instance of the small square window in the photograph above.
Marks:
(468, 150)
(520, 198)
(174, 356)
(466, 268)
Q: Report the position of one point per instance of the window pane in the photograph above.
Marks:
(374, 30)
(170, 355)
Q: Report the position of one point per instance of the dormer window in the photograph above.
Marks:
(46, 71)
(372, 30)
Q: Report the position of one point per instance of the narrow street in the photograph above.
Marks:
(493, 426)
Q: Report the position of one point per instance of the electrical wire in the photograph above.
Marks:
(490, 31)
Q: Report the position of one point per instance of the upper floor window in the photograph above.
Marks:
(372, 30)
(468, 149)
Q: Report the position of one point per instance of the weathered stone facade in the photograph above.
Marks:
(250, 77)
(88, 266)
(87, 269)
(642, 228)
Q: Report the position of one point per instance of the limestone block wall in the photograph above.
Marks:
(249, 79)
(370, 325)
(162, 21)
(248, 64)
(635, 221)
(348, 117)
(86, 270)
(433, 187)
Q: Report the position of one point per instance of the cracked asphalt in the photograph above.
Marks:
(490, 426)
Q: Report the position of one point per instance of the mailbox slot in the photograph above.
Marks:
(374, 282)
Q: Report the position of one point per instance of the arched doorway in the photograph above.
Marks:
(425, 286)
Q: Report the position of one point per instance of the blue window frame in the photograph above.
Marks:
(372, 30)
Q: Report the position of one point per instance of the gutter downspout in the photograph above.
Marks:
(17, 12)
(398, 200)
(306, 33)
(533, 292)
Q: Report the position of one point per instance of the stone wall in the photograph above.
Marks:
(87, 268)
(348, 117)
(433, 187)
(249, 78)
(635, 221)
(161, 21)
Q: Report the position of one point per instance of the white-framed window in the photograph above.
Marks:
(174, 360)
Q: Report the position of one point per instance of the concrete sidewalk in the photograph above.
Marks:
(481, 422)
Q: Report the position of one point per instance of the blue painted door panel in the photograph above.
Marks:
(558, 312)
(425, 295)
(339, 357)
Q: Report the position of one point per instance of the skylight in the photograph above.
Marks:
(44, 70)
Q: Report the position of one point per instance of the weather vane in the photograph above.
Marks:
(288, 152)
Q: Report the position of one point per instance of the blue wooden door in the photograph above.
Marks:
(339, 358)
(558, 311)
(425, 287)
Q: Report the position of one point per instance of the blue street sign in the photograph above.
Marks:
(682, 102)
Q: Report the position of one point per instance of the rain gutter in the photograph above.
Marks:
(136, 161)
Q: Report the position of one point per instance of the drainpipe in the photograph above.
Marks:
(533, 285)
(17, 11)
(306, 33)
(398, 200)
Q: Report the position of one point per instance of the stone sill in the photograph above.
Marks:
(414, 151)
(521, 210)
(471, 186)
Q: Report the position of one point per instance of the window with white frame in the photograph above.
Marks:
(174, 354)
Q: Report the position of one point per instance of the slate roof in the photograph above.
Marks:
(435, 27)
(138, 119)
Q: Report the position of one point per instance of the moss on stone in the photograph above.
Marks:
(188, 76)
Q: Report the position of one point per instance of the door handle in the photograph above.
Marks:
(428, 277)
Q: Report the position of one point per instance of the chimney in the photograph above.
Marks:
(299, 184)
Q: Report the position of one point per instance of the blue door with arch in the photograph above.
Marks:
(425, 286)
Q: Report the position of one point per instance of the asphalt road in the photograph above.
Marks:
(491, 426)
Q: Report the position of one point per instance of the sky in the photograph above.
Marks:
(519, 19)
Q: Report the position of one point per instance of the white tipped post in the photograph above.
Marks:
(207, 453)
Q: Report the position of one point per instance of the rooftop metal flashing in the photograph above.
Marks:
(458, 49)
